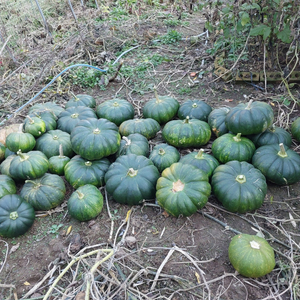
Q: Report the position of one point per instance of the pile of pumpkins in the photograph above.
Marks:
(92, 146)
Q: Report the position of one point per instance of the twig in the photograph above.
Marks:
(12, 287)
(6, 254)
(265, 74)
(110, 217)
(4, 44)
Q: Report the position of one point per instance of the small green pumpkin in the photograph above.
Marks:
(7, 185)
(216, 121)
(47, 116)
(81, 100)
(5, 165)
(251, 255)
(195, 109)
(34, 125)
(295, 129)
(57, 163)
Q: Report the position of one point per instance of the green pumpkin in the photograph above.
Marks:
(47, 116)
(69, 118)
(186, 133)
(79, 171)
(5, 165)
(115, 110)
(16, 216)
(161, 108)
(201, 160)
(81, 100)
(85, 203)
(30, 165)
(49, 143)
(163, 156)
(251, 255)
(134, 143)
(232, 147)
(295, 129)
(239, 186)
(182, 189)
(131, 179)
(2, 152)
(216, 121)
(47, 106)
(147, 127)
(44, 193)
(280, 166)
(35, 126)
(195, 109)
(57, 163)
(251, 118)
(8, 153)
(7, 185)
(94, 139)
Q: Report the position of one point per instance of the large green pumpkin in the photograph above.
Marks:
(131, 179)
(216, 120)
(47, 116)
(44, 193)
(93, 139)
(85, 203)
(251, 255)
(186, 133)
(239, 186)
(182, 189)
(81, 100)
(195, 109)
(295, 129)
(279, 165)
(7, 185)
(16, 216)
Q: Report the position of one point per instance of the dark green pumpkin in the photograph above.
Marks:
(47, 116)
(239, 186)
(47, 106)
(34, 125)
(115, 110)
(7, 185)
(81, 100)
(44, 193)
(163, 156)
(57, 163)
(85, 203)
(216, 121)
(131, 179)
(232, 147)
(182, 189)
(195, 109)
(295, 129)
(279, 165)
(94, 139)
(186, 133)
(5, 165)
(79, 171)
(16, 216)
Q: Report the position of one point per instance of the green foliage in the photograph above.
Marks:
(172, 37)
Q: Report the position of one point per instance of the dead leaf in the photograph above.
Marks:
(14, 248)
(26, 283)
(80, 296)
(193, 74)
(69, 230)
(165, 214)
(198, 277)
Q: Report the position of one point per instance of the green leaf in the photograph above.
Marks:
(262, 29)
(245, 19)
(285, 34)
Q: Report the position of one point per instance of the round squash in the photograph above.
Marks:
(216, 121)
(251, 255)
(81, 100)
(48, 106)
(195, 109)
(6, 130)
(47, 116)
(295, 129)
(182, 189)
(5, 165)
(57, 163)
(34, 125)
(7, 186)
(239, 186)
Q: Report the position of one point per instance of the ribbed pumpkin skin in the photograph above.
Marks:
(30, 165)
(195, 109)
(93, 139)
(162, 109)
(277, 169)
(295, 129)
(44, 193)
(250, 118)
(239, 186)
(230, 147)
(134, 143)
(69, 118)
(35, 126)
(85, 203)
(131, 178)
(79, 171)
(216, 121)
(201, 160)
(49, 143)
(182, 189)
(147, 127)
(186, 133)
(115, 110)
(57, 164)
(7, 186)
(47, 116)
(16, 141)
(48, 106)
(16, 216)
(249, 261)
(81, 100)
(5, 165)
(163, 156)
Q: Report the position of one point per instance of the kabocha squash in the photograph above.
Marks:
(201, 160)
(115, 110)
(49, 106)
(79, 171)
(163, 156)
(251, 255)
(195, 109)
(186, 133)
(5, 165)
(280, 166)
(131, 179)
(8, 153)
(147, 127)
(7, 186)
(134, 143)
(182, 189)
(161, 108)
(239, 186)
(216, 121)
(94, 139)
(69, 118)
(81, 100)
(35, 126)
(57, 163)
(16, 216)
(85, 203)
(251, 118)
(47, 116)
(44, 193)
(6, 130)
(295, 129)
(232, 147)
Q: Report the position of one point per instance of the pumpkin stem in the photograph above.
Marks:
(157, 97)
(61, 152)
(240, 178)
(23, 156)
(13, 215)
(20, 128)
(132, 172)
(161, 151)
(36, 184)
(55, 137)
(80, 195)
(237, 138)
(127, 140)
(272, 128)
(249, 104)
(178, 186)
(74, 116)
(88, 163)
(194, 105)
(200, 154)
(96, 131)
(187, 119)
(75, 97)
(255, 245)
(31, 121)
(282, 151)
(116, 104)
